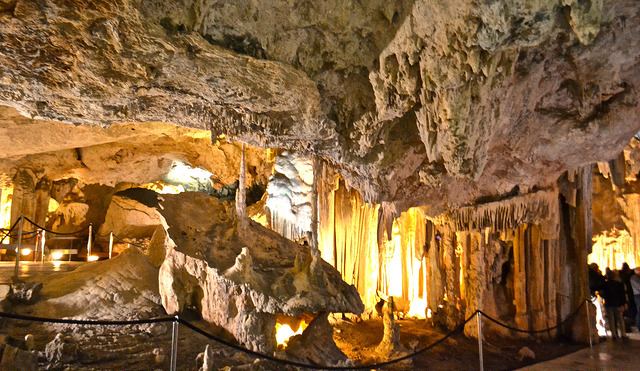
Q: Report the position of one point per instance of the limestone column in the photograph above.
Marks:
(519, 277)
(315, 250)
(535, 279)
(43, 195)
(24, 197)
(241, 198)
(583, 245)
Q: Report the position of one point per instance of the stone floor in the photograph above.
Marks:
(605, 356)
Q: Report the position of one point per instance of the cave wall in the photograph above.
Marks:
(412, 100)
(616, 209)
(521, 259)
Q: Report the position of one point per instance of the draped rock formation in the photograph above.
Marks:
(243, 279)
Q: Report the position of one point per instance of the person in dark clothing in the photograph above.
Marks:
(625, 275)
(615, 300)
(635, 285)
(596, 279)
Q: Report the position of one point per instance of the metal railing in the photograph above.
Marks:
(40, 233)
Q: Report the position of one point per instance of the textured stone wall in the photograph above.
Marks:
(412, 101)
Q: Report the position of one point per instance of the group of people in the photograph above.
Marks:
(620, 291)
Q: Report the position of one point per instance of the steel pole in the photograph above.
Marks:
(110, 244)
(89, 242)
(42, 242)
(589, 324)
(18, 247)
(480, 341)
(174, 345)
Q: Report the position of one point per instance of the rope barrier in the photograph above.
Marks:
(10, 229)
(54, 232)
(570, 316)
(457, 330)
(271, 358)
(86, 322)
(240, 348)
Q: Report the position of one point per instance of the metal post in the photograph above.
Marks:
(42, 242)
(589, 324)
(174, 345)
(89, 242)
(480, 341)
(110, 244)
(18, 247)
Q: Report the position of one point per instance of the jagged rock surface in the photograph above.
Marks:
(128, 218)
(411, 101)
(242, 279)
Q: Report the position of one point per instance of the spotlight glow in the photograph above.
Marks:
(93, 258)
(25, 252)
(284, 332)
(56, 255)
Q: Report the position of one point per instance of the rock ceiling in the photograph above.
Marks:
(425, 102)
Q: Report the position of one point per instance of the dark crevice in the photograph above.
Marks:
(245, 44)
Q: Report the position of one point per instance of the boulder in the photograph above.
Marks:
(24, 293)
(315, 345)
(14, 358)
(242, 279)
(60, 351)
(130, 218)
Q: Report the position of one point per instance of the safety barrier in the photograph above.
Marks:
(176, 320)
(41, 230)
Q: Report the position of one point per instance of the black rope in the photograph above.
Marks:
(85, 321)
(457, 330)
(10, 229)
(240, 348)
(569, 317)
(54, 232)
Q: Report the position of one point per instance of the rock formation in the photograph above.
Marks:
(412, 101)
(242, 280)
(452, 146)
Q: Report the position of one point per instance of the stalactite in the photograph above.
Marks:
(505, 214)
(241, 198)
(289, 196)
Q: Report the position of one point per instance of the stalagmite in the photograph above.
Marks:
(241, 197)
(242, 280)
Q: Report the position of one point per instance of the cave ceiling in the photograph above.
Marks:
(438, 103)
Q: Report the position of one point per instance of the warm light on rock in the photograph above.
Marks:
(284, 332)
(5, 208)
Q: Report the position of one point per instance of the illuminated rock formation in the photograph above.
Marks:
(242, 280)
(616, 209)
(452, 144)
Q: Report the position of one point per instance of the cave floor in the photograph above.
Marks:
(146, 347)
(137, 347)
(359, 340)
(607, 355)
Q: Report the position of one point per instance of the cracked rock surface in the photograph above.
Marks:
(241, 278)
(414, 102)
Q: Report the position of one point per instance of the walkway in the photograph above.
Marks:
(605, 356)
(30, 268)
